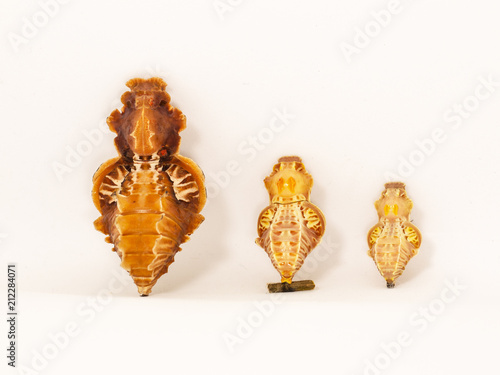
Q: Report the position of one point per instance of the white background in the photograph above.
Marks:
(353, 122)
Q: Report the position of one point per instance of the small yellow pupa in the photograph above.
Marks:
(394, 240)
(290, 227)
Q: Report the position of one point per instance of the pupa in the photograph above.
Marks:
(394, 240)
(150, 197)
(291, 226)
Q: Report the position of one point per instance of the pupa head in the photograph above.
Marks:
(147, 124)
(394, 201)
(289, 181)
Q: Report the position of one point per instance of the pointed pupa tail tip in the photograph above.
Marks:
(144, 291)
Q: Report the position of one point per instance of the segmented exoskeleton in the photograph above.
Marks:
(149, 197)
(394, 240)
(290, 227)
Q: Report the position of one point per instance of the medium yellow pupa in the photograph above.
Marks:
(291, 226)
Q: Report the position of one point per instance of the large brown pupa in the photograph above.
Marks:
(150, 197)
